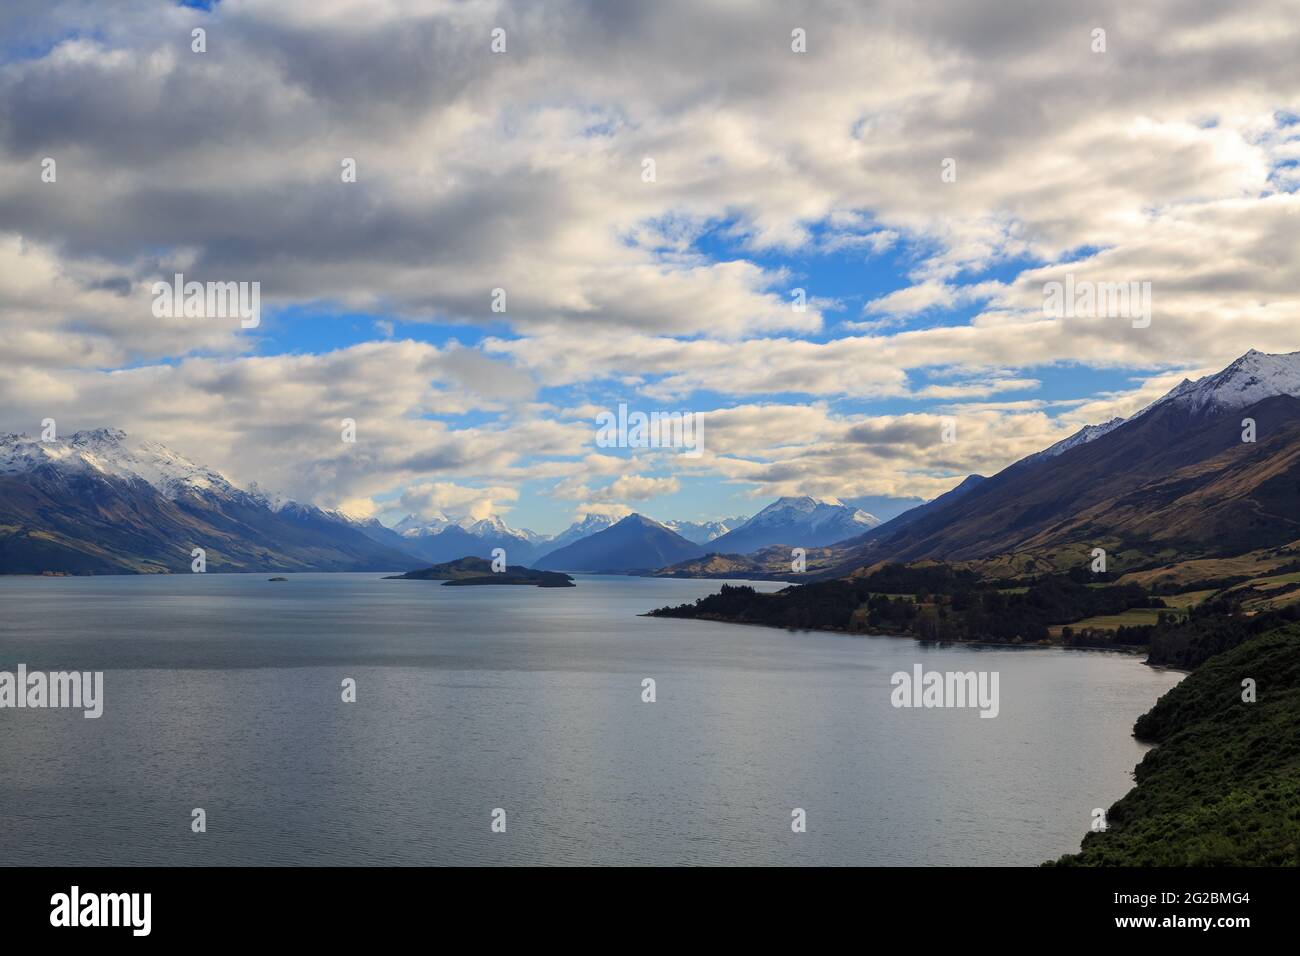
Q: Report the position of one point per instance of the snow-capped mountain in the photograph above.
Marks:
(1084, 435)
(801, 521)
(585, 528)
(111, 452)
(884, 507)
(438, 538)
(102, 501)
(418, 526)
(494, 526)
(272, 499)
(1250, 379)
(702, 532)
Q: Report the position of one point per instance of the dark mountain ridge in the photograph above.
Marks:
(1176, 478)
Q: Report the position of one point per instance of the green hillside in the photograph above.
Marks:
(1223, 786)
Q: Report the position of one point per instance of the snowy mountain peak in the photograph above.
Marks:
(414, 525)
(270, 499)
(785, 509)
(111, 451)
(592, 522)
(97, 437)
(1084, 435)
(589, 524)
(494, 527)
(483, 525)
(797, 521)
(491, 527)
(1252, 378)
(805, 508)
(702, 532)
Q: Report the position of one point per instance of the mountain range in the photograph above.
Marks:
(440, 539)
(102, 501)
(1211, 468)
(642, 544)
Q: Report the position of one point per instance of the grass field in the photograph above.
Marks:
(1274, 580)
(1178, 603)
(1187, 599)
(1108, 622)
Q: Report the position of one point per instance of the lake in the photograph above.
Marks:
(224, 692)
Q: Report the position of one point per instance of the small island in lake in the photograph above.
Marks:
(471, 571)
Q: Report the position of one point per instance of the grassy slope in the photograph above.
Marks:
(1138, 615)
(1223, 786)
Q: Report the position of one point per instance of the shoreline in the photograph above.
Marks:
(1136, 652)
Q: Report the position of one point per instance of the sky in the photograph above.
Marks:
(920, 170)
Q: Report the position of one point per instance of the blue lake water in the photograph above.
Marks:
(223, 692)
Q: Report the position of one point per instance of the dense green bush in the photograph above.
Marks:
(1223, 786)
(932, 602)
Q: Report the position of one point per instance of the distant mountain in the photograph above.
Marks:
(633, 544)
(493, 526)
(884, 507)
(375, 530)
(1176, 478)
(702, 532)
(440, 539)
(589, 525)
(797, 522)
(422, 525)
(102, 502)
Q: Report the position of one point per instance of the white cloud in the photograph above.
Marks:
(1162, 160)
(432, 498)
